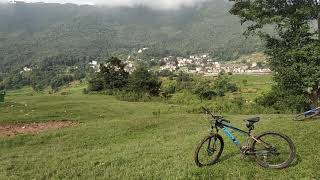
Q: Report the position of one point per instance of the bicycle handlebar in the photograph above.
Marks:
(218, 118)
(207, 111)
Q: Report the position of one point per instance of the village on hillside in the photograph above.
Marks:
(205, 65)
(202, 64)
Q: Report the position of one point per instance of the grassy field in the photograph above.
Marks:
(253, 86)
(121, 140)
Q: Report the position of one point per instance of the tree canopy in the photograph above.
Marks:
(111, 75)
(293, 47)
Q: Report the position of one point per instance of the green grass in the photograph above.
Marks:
(121, 140)
(256, 85)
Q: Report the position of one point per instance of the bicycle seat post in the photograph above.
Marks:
(250, 125)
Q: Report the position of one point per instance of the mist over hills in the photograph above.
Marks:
(32, 32)
(159, 4)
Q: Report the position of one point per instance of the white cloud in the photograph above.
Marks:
(163, 4)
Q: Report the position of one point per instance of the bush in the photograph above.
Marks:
(168, 86)
(283, 101)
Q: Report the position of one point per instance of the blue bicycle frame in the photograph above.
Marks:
(225, 127)
(312, 111)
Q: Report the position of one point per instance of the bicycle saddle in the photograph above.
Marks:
(253, 120)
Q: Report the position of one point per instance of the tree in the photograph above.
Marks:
(204, 90)
(293, 47)
(223, 85)
(60, 81)
(96, 83)
(141, 80)
(112, 76)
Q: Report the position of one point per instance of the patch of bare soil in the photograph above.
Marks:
(33, 128)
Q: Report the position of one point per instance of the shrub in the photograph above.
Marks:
(169, 86)
(283, 101)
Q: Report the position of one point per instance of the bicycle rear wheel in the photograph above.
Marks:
(274, 150)
(209, 150)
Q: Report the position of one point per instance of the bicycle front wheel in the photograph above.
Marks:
(209, 150)
(274, 150)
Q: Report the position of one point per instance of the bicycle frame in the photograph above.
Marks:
(219, 123)
(259, 146)
(225, 127)
(312, 111)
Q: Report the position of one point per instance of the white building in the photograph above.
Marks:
(254, 64)
(198, 69)
(93, 63)
(95, 66)
(26, 69)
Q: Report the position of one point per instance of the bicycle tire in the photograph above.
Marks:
(217, 137)
(282, 165)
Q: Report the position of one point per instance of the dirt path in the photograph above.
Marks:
(33, 128)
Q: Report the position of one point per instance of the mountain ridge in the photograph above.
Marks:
(31, 32)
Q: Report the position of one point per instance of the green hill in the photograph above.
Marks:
(123, 140)
(30, 33)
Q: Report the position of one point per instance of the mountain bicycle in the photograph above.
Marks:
(270, 149)
(308, 114)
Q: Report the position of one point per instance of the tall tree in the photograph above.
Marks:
(112, 75)
(293, 46)
(142, 80)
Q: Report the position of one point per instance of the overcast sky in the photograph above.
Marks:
(152, 3)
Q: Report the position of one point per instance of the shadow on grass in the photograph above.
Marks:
(228, 156)
(297, 160)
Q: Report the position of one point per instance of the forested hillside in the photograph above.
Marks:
(30, 33)
(61, 39)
